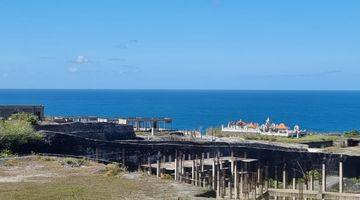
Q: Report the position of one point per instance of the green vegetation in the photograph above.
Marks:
(312, 137)
(6, 154)
(112, 170)
(73, 162)
(351, 134)
(18, 130)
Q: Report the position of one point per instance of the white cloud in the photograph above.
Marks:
(73, 69)
(81, 60)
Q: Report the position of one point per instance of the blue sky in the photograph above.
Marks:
(180, 44)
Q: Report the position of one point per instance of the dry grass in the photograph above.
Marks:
(37, 177)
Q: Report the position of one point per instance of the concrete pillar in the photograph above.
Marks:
(208, 155)
(341, 175)
(266, 177)
(213, 174)
(241, 184)
(230, 190)
(97, 154)
(276, 177)
(202, 162)
(149, 166)
(180, 167)
(123, 158)
(311, 181)
(170, 159)
(323, 173)
(223, 186)
(236, 181)
(284, 178)
(158, 165)
(176, 167)
(294, 180)
(218, 184)
(193, 172)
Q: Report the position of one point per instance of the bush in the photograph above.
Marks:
(112, 170)
(73, 162)
(30, 118)
(6, 154)
(353, 133)
(17, 131)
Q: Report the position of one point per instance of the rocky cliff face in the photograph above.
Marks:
(98, 131)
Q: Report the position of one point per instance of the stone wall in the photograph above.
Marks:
(99, 131)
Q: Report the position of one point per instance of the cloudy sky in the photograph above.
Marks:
(180, 44)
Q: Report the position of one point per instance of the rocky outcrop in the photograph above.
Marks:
(98, 131)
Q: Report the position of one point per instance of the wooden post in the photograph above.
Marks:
(241, 183)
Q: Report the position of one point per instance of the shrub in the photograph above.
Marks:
(353, 133)
(17, 131)
(73, 162)
(30, 118)
(112, 170)
(6, 153)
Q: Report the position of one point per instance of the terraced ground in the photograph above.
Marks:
(38, 177)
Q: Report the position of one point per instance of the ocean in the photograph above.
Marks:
(319, 111)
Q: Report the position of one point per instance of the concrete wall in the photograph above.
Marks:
(99, 131)
(7, 110)
(137, 152)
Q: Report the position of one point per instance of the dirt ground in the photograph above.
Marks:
(38, 177)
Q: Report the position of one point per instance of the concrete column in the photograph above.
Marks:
(323, 173)
(213, 174)
(123, 158)
(276, 177)
(202, 162)
(181, 167)
(230, 190)
(208, 155)
(266, 177)
(176, 167)
(158, 165)
(149, 166)
(341, 175)
(284, 178)
(241, 184)
(223, 186)
(311, 181)
(218, 184)
(294, 180)
(170, 159)
(236, 181)
(193, 172)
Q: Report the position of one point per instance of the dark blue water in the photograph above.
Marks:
(322, 111)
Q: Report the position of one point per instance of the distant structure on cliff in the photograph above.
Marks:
(268, 128)
(7, 110)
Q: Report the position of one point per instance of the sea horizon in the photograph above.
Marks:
(315, 111)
